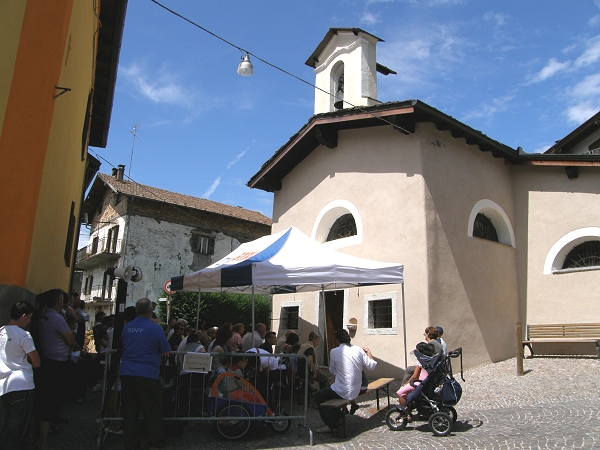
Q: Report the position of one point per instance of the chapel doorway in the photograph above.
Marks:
(334, 320)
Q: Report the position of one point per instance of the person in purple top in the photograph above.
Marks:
(144, 345)
(53, 339)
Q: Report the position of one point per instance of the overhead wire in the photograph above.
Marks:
(144, 188)
(243, 50)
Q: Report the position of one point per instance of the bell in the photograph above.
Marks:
(339, 100)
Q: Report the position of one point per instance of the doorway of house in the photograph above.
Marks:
(334, 320)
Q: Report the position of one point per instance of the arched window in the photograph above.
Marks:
(489, 221)
(338, 225)
(343, 227)
(484, 228)
(586, 254)
(338, 87)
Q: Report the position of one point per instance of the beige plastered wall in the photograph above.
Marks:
(554, 206)
(414, 195)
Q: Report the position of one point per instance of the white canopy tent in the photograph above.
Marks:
(286, 262)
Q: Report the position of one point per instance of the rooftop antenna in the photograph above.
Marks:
(135, 136)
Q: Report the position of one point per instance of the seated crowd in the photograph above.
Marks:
(52, 362)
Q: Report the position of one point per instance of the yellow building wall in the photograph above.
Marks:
(46, 44)
(10, 31)
(64, 166)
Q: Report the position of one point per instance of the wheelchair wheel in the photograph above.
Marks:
(440, 423)
(280, 425)
(396, 420)
(451, 412)
(229, 427)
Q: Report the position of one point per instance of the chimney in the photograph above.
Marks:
(114, 172)
(120, 172)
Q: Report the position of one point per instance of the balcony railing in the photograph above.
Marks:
(99, 252)
(98, 293)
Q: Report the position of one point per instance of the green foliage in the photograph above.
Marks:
(218, 307)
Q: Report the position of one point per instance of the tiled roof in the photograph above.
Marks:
(151, 193)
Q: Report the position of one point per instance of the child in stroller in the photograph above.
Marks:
(434, 395)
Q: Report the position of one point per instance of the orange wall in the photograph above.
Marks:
(26, 129)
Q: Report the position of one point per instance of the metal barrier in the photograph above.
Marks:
(266, 390)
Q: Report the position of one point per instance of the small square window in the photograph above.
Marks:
(203, 244)
(289, 317)
(380, 313)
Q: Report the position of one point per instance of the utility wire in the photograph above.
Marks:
(153, 194)
(243, 50)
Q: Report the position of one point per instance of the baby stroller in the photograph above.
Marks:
(434, 397)
(232, 397)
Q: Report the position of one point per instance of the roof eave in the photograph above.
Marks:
(110, 35)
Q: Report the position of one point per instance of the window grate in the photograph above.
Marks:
(290, 317)
(583, 255)
(484, 228)
(380, 313)
(344, 226)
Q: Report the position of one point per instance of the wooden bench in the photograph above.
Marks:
(562, 332)
(381, 384)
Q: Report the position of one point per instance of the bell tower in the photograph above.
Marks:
(346, 70)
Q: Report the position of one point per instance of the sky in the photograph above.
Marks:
(524, 72)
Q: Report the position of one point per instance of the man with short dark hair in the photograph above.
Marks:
(270, 340)
(346, 363)
(144, 345)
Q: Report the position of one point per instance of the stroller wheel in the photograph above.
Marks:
(440, 423)
(229, 426)
(396, 420)
(451, 412)
(280, 425)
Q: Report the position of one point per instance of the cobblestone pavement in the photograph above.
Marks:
(556, 405)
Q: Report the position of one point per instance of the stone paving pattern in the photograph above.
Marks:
(555, 405)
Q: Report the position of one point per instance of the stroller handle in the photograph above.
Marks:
(455, 353)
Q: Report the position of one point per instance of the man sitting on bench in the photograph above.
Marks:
(346, 363)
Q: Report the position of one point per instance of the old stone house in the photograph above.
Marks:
(161, 232)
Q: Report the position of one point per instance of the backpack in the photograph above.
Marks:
(451, 392)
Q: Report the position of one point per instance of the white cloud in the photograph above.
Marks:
(369, 18)
(551, 69)
(212, 188)
(581, 112)
(159, 88)
(590, 86)
(594, 21)
(591, 54)
(236, 159)
(488, 110)
(498, 18)
(585, 99)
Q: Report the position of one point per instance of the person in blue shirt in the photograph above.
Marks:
(144, 345)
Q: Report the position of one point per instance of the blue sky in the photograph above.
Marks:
(525, 73)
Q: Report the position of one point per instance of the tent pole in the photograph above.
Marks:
(198, 314)
(404, 327)
(253, 324)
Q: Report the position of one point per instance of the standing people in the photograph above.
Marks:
(254, 339)
(18, 358)
(54, 341)
(144, 345)
(346, 363)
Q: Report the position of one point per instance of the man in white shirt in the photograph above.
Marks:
(254, 339)
(18, 358)
(346, 363)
